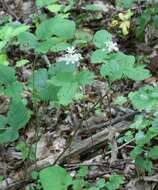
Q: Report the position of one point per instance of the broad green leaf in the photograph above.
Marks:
(54, 44)
(101, 183)
(64, 28)
(19, 29)
(22, 62)
(27, 40)
(2, 44)
(92, 7)
(155, 19)
(18, 115)
(42, 3)
(136, 151)
(61, 67)
(67, 93)
(57, 26)
(153, 153)
(49, 92)
(146, 98)
(63, 78)
(128, 3)
(101, 37)
(140, 138)
(2, 121)
(85, 77)
(14, 89)
(138, 73)
(39, 79)
(44, 47)
(7, 74)
(140, 122)
(114, 182)
(4, 59)
(55, 178)
(8, 135)
(83, 35)
(112, 70)
(78, 183)
(60, 47)
(98, 56)
(144, 164)
(120, 100)
(83, 171)
(55, 8)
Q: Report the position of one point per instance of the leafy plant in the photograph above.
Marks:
(53, 178)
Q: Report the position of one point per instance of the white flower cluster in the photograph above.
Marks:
(71, 56)
(111, 46)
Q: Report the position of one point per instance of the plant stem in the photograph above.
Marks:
(79, 125)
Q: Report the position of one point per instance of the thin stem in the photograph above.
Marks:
(68, 144)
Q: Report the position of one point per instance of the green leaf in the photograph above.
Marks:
(136, 151)
(42, 3)
(144, 164)
(8, 135)
(22, 62)
(146, 98)
(83, 35)
(140, 122)
(138, 73)
(140, 138)
(55, 8)
(4, 59)
(128, 3)
(15, 89)
(83, 171)
(18, 115)
(55, 178)
(2, 121)
(7, 74)
(2, 44)
(92, 7)
(27, 41)
(101, 183)
(34, 175)
(112, 70)
(60, 47)
(44, 47)
(57, 26)
(19, 29)
(49, 92)
(98, 56)
(101, 37)
(114, 182)
(61, 67)
(153, 153)
(85, 77)
(120, 100)
(120, 66)
(39, 79)
(155, 20)
(67, 93)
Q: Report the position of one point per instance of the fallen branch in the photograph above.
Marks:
(81, 148)
(87, 145)
(96, 127)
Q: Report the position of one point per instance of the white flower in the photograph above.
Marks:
(71, 57)
(71, 50)
(111, 46)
